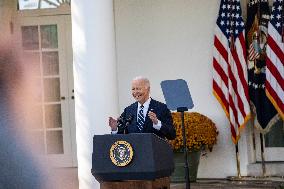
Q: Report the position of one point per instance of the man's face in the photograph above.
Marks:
(140, 91)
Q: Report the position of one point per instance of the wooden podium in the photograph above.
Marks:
(132, 161)
(161, 183)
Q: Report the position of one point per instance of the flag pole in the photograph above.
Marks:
(282, 22)
(261, 135)
(238, 161)
(262, 156)
(261, 147)
(253, 135)
(232, 47)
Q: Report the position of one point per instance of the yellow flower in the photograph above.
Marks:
(201, 132)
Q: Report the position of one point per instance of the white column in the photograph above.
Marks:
(95, 81)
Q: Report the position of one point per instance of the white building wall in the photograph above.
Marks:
(172, 39)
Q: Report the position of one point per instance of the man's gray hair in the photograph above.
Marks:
(144, 79)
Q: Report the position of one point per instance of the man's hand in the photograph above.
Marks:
(153, 117)
(112, 123)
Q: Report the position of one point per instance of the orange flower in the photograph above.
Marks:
(201, 132)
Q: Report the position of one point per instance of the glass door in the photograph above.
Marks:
(45, 46)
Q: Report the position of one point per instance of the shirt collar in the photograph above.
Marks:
(146, 104)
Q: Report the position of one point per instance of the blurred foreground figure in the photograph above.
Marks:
(19, 168)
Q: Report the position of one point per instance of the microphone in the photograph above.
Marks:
(123, 122)
(128, 120)
(120, 122)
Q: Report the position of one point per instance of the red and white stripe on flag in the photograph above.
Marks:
(230, 83)
(275, 58)
(253, 54)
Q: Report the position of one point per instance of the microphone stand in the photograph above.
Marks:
(120, 124)
(123, 122)
(186, 167)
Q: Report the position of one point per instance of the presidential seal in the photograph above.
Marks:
(121, 153)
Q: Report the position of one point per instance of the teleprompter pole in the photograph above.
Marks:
(186, 167)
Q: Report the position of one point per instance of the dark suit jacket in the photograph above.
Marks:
(163, 114)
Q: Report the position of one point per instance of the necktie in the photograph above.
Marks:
(140, 121)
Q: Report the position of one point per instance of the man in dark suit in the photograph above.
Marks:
(146, 115)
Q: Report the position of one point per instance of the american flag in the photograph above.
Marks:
(230, 85)
(254, 51)
(275, 58)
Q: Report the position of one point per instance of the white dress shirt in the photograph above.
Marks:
(145, 111)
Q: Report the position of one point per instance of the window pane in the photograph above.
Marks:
(42, 4)
(51, 90)
(37, 117)
(54, 140)
(49, 36)
(37, 90)
(38, 141)
(53, 116)
(52, 4)
(30, 37)
(32, 62)
(50, 63)
(275, 137)
(28, 4)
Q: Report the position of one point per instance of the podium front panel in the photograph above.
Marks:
(152, 158)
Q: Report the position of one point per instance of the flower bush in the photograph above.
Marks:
(201, 132)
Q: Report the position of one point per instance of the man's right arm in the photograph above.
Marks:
(114, 124)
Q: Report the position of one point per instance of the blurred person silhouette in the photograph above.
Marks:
(19, 167)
